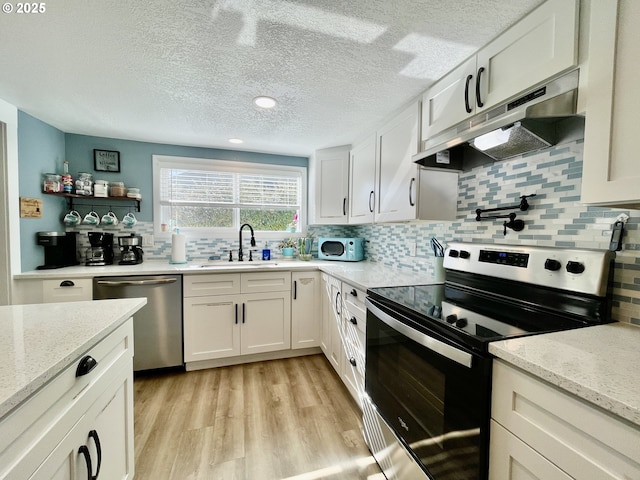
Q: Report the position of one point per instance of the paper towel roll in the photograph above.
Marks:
(178, 248)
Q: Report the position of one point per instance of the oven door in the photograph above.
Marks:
(434, 395)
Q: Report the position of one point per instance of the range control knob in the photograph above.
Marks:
(575, 267)
(454, 253)
(553, 265)
(461, 322)
(452, 318)
(464, 254)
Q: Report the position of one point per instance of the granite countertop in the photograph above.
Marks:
(597, 364)
(39, 341)
(361, 275)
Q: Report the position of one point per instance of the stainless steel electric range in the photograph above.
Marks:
(428, 370)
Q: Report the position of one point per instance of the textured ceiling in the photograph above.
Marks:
(185, 71)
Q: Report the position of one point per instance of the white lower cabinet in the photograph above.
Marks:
(541, 431)
(343, 332)
(67, 290)
(221, 326)
(306, 321)
(77, 427)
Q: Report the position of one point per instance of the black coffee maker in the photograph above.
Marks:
(131, 249)
(101, 250)
(59, 249)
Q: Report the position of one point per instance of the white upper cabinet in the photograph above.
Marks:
(362, 178)
(540, 46)
(611, 172)
(331, 169)
(397, 174)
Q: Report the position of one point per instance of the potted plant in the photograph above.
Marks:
(288, 247)
(305, 246)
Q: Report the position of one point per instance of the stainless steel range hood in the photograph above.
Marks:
(539, 118)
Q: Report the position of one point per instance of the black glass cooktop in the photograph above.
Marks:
(472, 317)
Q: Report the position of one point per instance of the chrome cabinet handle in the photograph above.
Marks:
(466, 94)
(478, 99)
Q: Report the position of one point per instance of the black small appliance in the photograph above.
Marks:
(101, 250)
(59, 249)
(131, 250)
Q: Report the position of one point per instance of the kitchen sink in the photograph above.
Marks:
(235, 265)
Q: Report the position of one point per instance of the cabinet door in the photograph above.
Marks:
(610, 173)
(112, 427)
(397, 177)
(450, 100)
(540, 46)
(362, 169)
(332, 185)
(512, 459)
(266, 322)
(305, 310)
(331, 321)
(211, 327)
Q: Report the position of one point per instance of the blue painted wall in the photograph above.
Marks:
(136, 161)
(41, 149)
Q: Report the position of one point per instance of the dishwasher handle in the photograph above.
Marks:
(120, 283)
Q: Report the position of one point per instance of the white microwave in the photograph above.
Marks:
(341, 249)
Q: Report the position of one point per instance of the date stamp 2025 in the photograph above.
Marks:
(24, 7)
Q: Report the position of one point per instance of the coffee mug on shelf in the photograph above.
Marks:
(91, 218)
(109, 219)
(129, 220)
(72, 218)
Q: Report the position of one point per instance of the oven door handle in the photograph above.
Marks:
(448, 351)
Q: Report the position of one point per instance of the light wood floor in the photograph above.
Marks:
(283, 419)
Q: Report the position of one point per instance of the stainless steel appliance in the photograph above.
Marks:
(428, 370)
(157, 327)
(59, 249)
(101, 250)
(537, 118)
(130, 250)
(341, 249)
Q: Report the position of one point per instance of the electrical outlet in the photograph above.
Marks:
(147, 241)
(413, 249)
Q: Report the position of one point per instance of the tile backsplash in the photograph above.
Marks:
(555, 218)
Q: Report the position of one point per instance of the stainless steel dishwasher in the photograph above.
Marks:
(157, 327)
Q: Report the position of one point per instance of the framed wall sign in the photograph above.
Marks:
(106, 160)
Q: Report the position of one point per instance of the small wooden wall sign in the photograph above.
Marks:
(30, 207)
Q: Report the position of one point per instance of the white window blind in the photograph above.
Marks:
(194, 194)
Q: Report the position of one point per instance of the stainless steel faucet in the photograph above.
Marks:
(253, 241)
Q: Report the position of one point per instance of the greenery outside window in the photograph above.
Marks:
(216, 197)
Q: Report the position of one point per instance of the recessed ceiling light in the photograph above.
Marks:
(265, 102)
(236, 140)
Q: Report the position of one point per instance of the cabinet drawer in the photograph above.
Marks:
(211, 284)
(67, 290)
(58, 406)
(261, 282)
(580, 438)
(354, 301)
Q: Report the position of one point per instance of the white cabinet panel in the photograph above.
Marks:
(306, 310)
(331, 185)
(211, 327)
(362, 173)
(67, 290)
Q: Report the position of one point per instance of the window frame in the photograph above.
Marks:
(234, 166)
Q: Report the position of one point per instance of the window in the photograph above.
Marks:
(197, 195)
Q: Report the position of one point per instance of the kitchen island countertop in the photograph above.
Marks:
(597, 364)
(39, 341)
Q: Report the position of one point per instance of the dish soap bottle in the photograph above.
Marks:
(266, 253)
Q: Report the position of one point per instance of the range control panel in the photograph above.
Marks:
(578, 270)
